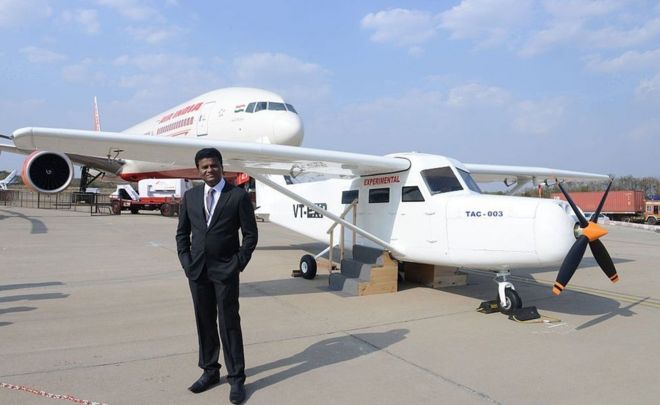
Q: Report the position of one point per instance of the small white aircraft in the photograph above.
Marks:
(421, 208)
(233, 114)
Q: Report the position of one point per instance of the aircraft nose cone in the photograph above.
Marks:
(288, 130)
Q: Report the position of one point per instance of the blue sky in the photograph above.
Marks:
(565, 84)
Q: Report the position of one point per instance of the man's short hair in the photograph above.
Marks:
(207, 153)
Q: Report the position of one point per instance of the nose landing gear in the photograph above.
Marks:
(508, 298)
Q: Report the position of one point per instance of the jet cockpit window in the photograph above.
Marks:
(441, 180)
(250, 108)
(276, 106)
(261, 105)
(290, 108)
(469, 181)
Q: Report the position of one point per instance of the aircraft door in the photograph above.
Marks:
(377, 210)
(419, 227)
(203, 115)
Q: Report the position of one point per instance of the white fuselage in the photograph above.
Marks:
(220, 115)
(432, 213)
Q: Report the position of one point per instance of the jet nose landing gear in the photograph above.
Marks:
(508, 298)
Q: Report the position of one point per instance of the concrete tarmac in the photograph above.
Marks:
(98, 308)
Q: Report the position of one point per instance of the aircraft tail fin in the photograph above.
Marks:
(97, 117)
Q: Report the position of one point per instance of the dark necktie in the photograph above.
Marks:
(209, 203)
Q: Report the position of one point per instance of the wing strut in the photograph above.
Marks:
(264, 179)
(520, 183)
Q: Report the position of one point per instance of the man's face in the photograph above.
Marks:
(210, 171)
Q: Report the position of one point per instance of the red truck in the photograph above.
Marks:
(154, 194)
(624, 205)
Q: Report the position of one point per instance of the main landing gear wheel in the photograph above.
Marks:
(512, 299)
(308, 267)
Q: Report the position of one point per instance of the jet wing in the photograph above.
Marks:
(6, 147)
(237, 156)
(100, 163)
(522, 174)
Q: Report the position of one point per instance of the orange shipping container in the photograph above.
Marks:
(618, 202)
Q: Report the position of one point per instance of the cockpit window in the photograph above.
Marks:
(269, 105)
(469, 181)
(411, 193)
(276, 106)
(441, 180)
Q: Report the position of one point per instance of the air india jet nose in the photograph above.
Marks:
(288, 129)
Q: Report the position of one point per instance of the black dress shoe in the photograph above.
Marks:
(237, 393)
(206, 381)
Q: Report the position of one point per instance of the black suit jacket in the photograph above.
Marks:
(217, 246)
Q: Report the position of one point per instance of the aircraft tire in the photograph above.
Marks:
(513, 301)
(308, 267)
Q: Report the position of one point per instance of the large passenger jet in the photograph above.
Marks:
(232, 114)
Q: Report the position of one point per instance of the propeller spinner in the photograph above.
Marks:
(588, 233)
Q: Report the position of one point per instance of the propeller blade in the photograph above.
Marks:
(604, 260)
(578, 213)
(595, 215)
(570, 264)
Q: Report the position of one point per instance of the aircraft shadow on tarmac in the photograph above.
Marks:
(37, 225)
(29, 285)
(538, 294)
(324, 353)
(479, 287)
(312, 248)
(285, 286)
(27, 297)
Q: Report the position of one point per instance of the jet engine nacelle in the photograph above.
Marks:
(47, 172)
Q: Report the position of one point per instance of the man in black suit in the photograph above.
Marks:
(213, 213)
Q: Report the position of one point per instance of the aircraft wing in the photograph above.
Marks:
(523, 174)
(101, 163)
(6, 147)
(237, 156)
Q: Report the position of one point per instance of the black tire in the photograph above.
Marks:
(651, 221)
(308, 267)
(166, 210)
(513, 301)
(135, 210)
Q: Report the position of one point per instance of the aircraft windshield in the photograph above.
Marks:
(441, 180)
(269, 105)
(469, 181)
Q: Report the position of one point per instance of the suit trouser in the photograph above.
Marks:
(213, 299)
